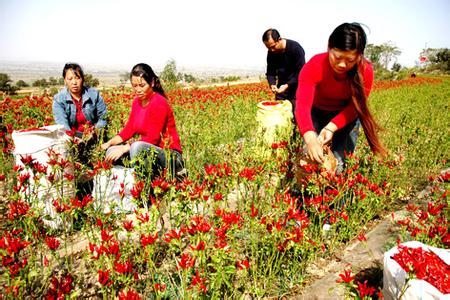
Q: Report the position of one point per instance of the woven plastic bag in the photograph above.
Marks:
(112, 190)
(37, 142)
(394, 276)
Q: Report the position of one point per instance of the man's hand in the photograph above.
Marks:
(282, 88)
(274, 89)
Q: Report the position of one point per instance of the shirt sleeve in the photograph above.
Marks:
(271, 72)
(349, 114)
(59, 113)
(309, 77)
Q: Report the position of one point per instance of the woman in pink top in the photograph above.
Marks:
(332, 97)
(152, 118)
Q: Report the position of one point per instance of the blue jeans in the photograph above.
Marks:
(344, 140)
(154, 155)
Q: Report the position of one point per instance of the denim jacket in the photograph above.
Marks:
(94, 108)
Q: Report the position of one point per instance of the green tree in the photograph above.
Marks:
(21, 84)
(382, 55)
(52, 81)
(373, 53)
(438, 59)
(40, 83)
(90, 80)
(169, 74)
(189, 78)
(389, 54)
(5, 84)
(396, 67)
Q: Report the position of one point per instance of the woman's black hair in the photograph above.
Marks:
(146, 72)
(271, 33)
(351, 36)
(348, 36)
(76, 68)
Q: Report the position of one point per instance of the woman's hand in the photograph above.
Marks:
(326, 134)
(117, 152)
(105, 146)
(314, 147)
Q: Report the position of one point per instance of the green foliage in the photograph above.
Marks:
(52, 81)
(396, 67)
(53, 91)
(169, 74)
(382, 55)
(383, 74)
(230, 78)
(189, 78)
(5, 84)
(22, 84)
(418, 138)
(40, 83)
(373, 53)
(438, 59)
(90, 80)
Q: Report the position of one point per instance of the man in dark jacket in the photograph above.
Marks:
(285, 59)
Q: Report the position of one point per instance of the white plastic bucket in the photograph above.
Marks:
(275, 120)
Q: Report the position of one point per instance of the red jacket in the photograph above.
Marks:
(155, 123)
(318, 87)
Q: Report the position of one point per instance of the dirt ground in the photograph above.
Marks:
(365, 259)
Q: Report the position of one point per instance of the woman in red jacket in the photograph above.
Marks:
(332, 97)
(152, 118)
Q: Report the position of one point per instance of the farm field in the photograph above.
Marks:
(232, 228)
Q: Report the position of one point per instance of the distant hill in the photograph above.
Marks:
(31, 71)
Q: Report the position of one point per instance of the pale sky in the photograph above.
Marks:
(206, 32)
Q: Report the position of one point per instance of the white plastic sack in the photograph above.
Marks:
(107, 190)
(394, 276)
(275, 120)
(37, 143)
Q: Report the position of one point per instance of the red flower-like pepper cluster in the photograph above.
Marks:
(425, 265)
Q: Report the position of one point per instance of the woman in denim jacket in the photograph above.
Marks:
(78, 106)
(80, 109)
